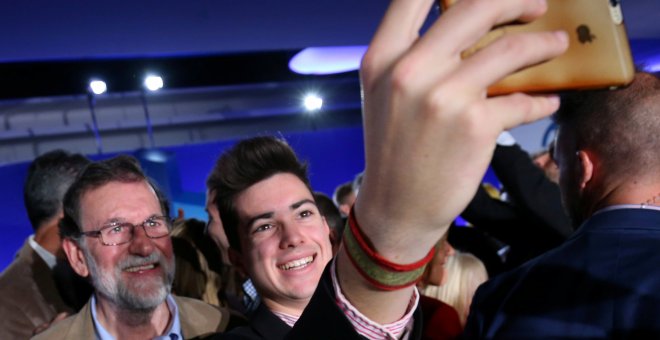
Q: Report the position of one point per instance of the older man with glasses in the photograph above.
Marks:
(116, 232)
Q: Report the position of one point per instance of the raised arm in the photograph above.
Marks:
(531, 189)
(430, 130)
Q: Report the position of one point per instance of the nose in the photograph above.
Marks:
(141, 244)
(291, 235)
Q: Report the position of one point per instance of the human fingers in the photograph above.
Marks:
(438, 52)
(398, 30)
(507, 112)
(466, 22)
(504, 56)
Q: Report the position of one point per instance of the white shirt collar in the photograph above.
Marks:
(42, 252)
(173, 333)
(627, 206)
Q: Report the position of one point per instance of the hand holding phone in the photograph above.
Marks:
(598, 56)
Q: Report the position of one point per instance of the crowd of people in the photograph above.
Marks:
(381, 259)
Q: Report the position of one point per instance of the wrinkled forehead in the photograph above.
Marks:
(119, 200)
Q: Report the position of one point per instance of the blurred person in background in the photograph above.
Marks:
(464, 273)
(332, 217)
(344, 198)
(603, 282)
(29, 292)
(116, 231)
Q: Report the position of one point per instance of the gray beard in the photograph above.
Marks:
(124, 294)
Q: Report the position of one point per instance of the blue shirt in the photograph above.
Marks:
(173, 333)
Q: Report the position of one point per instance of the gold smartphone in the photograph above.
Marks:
(598, 55)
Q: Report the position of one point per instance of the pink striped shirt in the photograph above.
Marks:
(363, 325)
(368, 328)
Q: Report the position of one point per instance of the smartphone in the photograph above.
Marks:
(598, 55)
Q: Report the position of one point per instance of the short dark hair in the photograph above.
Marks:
(246, 163)
(48, 178)
(341, 192)
(619, 125)
(122, 168)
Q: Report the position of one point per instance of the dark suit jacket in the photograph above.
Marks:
(263, 325)
(604, 282)
(28, 295)
(535, 221)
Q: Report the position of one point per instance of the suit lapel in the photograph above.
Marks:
(268, 325)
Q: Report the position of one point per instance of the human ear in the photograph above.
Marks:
(586, 168)
(75, 256)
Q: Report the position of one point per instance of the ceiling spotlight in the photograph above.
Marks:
(98, 87)
(153, 83)
(313, 102)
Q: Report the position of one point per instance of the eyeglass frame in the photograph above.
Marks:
(99, 232)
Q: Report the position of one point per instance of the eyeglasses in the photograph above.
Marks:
(117, 233)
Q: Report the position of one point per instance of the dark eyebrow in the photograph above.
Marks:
(301, 202)
(251, 221)
(270, 214)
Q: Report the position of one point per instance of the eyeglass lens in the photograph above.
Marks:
(119, 233)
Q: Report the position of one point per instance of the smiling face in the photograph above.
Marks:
(284, 241)
(135, 275)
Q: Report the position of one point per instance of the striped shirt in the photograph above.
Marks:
(362, 324)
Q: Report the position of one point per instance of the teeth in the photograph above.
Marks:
(297, 263)
(141, 268)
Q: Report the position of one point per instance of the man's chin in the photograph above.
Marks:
(143, 303)
(144, 297)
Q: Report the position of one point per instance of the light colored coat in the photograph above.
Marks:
(28, 295)
(197, 319)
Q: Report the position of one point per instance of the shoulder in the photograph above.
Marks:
(534, 275)
(263, 324)
(66, 329)
(198, 317)
(16, 277)
(195, 305)
(528, 295)
(24, 286)
(20, 268)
